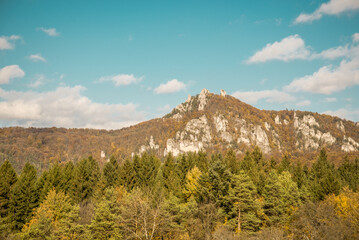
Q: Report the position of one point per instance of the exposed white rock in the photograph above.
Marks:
(308, 135)
(202, 99)
(177, 116)
(267, 126)
(285, 121)
(328, 138)
(250, 134)
(103, 155)
(221, 124)
(151, 145)
(277, 120)
(340, 126)
(223, 93)
(193, 138)
(349, 145)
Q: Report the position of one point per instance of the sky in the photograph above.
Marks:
(112, 64)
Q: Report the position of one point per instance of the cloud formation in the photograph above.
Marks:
(7, 43)
(270, 96)
(352, 114)
(64, 107)
(289, 48)
(333, 7)
(40, 80)
(37, 58)
(328, 79)
(121, 79)
(171, 86)
(304, 103)
(9, 72)
(50, 31)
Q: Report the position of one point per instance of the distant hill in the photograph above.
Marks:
(207, 122)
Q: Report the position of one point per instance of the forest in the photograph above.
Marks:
(192, 196)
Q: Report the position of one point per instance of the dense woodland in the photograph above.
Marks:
(193, 196)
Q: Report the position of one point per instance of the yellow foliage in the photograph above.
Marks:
(191, 182)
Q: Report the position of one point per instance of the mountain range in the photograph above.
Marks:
(205, 122)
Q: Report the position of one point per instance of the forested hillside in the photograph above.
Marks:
(205, 122)
(191, 196)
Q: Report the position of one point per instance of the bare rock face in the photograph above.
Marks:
(223, 93)
(308, 134)
(151, 145)
(277, 120)
(221, 124)
(252, 134)
(349, 145)
(193, 138)
(202, 99)
(340, 126)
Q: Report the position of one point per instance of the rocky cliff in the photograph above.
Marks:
(207, 121)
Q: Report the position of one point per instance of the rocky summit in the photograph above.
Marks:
(205, 122)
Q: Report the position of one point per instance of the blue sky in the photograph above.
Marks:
(110, 64)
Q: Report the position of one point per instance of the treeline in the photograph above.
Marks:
(193, 196)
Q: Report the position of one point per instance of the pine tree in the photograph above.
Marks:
(24, 197)
(68, 177)
(127, 175)
(171, 179)
(231, 161)
(55, 218)
(8, 178)
(111, 172)
(243, 209)
(86, 176)
(106, 221)
(324, 178)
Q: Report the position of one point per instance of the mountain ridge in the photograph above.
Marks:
(204, 122)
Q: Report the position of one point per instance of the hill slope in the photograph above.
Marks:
(206, 121)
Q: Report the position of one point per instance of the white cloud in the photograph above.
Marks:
(37, 58)
(352, 114)
(170, 87)
(121, 79)
(329, 100)
(289, 48)
(332, 53)
(50, 31)
(64, 107)
(9, 72)
(7, 43)
(303, 103)
(328, 79)
(40, 80)
(333, 7)
(164, 109)
(271, 96)
(355, 37)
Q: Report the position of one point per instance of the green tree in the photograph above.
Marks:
(111, 172)
(55, 218)
(106, 221)
(127, 175)
(8, 178)
(86, 176)
(324, 178)
(24, 197)
(243, 208)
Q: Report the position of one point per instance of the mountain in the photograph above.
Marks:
(207, 121)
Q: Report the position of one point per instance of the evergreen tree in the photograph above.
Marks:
(67, 177)
(106, 221)
(86, 176)
(349, 172)
(231, 161)
(171, 179)
(324, 178)
(24, 197)
(8, 178)
(243, 209)
(127, 175)
(111, 172)
(55, 218)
